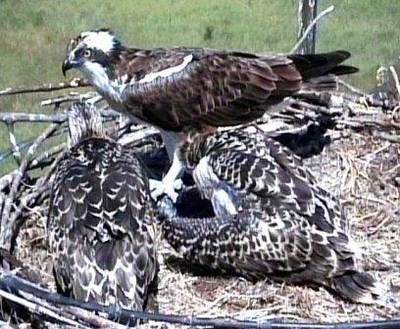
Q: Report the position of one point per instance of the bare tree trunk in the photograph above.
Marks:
(306, 14)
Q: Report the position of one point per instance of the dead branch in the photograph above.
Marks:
(14, 283)
(46, 156)
(6, 225)
(365, 122)
(341, 109)
(71, 97)
(390, 138)
(38, 309)
(351, 88)
(395, 78)
(42, 190)
(14, 145)
(310, 27)
(47, 87)
(11, 117)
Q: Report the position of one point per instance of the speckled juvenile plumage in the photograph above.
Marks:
(101, 224)
(283, 224)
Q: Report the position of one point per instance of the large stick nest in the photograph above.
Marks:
(361, 165)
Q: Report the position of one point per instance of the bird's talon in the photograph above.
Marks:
(159, 189)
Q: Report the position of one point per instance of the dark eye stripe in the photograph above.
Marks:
(80, 51)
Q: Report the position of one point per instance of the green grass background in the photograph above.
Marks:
(34, 34)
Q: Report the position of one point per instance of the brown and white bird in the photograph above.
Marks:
(193, 89)
(101, 223)
(272, 218)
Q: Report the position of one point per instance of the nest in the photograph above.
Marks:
(361, 165)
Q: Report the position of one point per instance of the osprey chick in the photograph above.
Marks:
(101, 224)
(272, 219)
(193, 89)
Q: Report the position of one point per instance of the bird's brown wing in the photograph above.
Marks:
(101, 230)
(213, 88)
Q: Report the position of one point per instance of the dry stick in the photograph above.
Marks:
(396, 78)
(317, 108)
(5, 325)
(9, 279)
(311, 26)
(41, 190)
(34, 308)
(7, 179)
(72, 97)
(47, 156)
(363, 121)
(7, 226)
(42, 186)
(55, 118)
(30, 117)
(92, 318)
(351, 88)
(71, 312)
(13, 141)
(74, 83)
(390, 138)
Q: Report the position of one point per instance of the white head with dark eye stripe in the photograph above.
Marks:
(91, 47)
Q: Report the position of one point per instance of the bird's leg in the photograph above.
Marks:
(168, 183)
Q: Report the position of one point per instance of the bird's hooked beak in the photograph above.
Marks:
(66, 65)
(70, 62)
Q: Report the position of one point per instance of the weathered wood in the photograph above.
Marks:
(307, 12)
(46, 87)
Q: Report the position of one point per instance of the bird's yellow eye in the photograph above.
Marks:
(87, 53)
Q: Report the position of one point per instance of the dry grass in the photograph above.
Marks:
(358, 168)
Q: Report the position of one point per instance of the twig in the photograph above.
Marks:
(92, 318)
(5, 325)
(13, 141)
(311, 26)
(71, 97)
(390, 138)
(351, 88)
(362, 122)
(55, 118)
(395, 78)
(74, 83)
(317, 108)
(41, 190)
(12, 281)
(35, 308)
(7, 179)
(47, 156)
(6, 231)
(12, 117)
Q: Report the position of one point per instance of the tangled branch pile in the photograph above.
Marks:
(361, 165)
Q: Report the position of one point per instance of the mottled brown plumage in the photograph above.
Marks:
(101, 224)
(191, 89)
(215, 87)
(272, 218)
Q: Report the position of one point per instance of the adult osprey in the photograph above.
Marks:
(185, 89)
(101, 223)
(272, 219)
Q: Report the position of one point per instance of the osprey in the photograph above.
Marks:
(193, 89)
(101, 223)
(272, 219)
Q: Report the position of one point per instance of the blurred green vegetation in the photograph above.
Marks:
(34, 35)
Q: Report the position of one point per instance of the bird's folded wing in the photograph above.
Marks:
(210, 88)
(265, 178)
